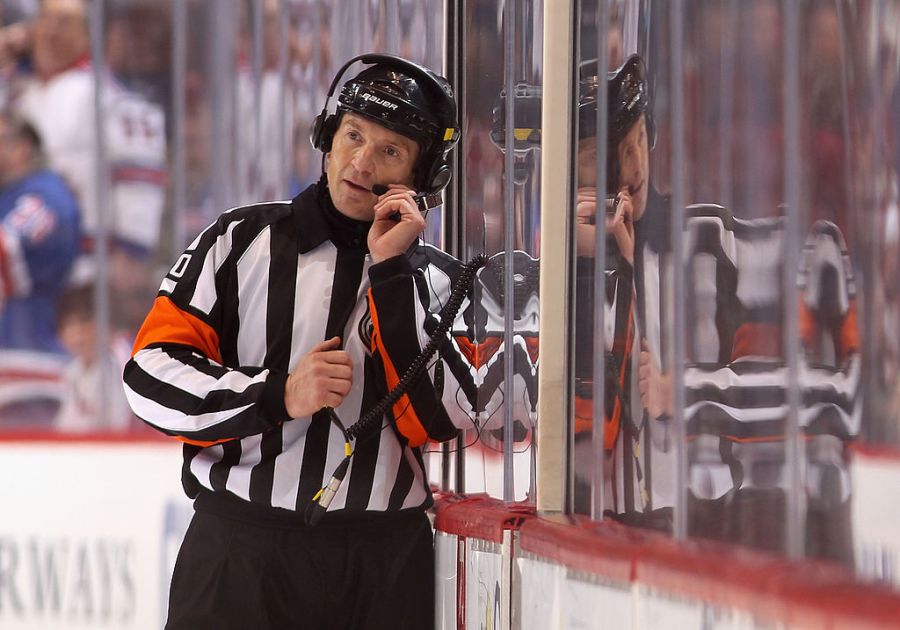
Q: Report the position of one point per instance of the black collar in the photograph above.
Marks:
(317, 220)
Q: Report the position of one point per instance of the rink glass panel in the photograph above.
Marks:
(778, 143)
(789, 126)
(783, 160)
(501, 220)
(739, 227)
(622, 462)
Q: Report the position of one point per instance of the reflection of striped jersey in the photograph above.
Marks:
(246, 301)
(736, 379)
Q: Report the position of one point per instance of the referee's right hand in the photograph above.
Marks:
(322, 378)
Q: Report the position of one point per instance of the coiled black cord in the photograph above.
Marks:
(417, 367)
(372, 420)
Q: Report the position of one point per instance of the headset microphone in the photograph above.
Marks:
(424, 201)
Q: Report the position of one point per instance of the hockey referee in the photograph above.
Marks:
(280, 312)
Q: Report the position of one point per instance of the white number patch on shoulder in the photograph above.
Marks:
(180, 266)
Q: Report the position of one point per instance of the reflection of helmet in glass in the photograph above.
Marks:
(587, 99)
(406, 104)
(526, 122)
(628, 96)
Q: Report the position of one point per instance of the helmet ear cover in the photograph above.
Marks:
(364, 96)
(322, 130)
(432, 172)
(438, 176)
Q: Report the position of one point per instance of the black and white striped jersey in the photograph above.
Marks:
(736, 380)
(244, 303)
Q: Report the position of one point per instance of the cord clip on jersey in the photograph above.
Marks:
(322, 499)
(370, 423)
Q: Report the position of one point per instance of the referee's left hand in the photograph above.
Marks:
(388, 236)
(323, 377)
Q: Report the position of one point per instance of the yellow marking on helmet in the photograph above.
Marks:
(522, 134)
(449, 132)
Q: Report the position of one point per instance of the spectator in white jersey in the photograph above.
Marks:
(278, 327)
(135, 139)
(262, 169)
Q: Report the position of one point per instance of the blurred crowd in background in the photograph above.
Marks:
(188, 134)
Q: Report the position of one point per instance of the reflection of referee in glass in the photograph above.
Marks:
(631, 137)
(613, 211)
(636, 223)
(278, 310)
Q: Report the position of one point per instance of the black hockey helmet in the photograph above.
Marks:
(628, 96)
(527, 119)
(404, 97)
(588, 80)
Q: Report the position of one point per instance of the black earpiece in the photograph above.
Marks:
(322, 131)
(439, 175)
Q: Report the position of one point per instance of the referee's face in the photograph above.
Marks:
(633, 153)
(363, 153)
